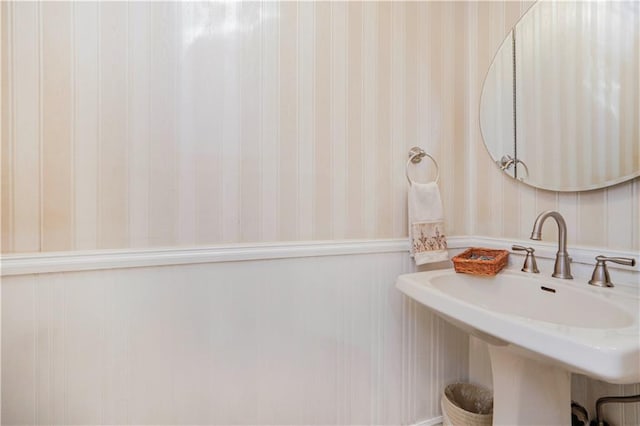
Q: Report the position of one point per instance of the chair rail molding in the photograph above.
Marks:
(49, 262)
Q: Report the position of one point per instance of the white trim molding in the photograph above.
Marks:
(35, 263)
(48, 262)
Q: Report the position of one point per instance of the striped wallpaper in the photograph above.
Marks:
(175, 124)
(140, 124)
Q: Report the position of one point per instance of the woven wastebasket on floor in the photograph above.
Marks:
(464, 404)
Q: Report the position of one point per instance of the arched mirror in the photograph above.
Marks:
(560, 104)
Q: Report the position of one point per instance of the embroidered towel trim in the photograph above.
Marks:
(429, 243)
(426, 224)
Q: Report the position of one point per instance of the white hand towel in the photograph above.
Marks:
(426, 224)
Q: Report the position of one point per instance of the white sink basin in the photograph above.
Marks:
(590, 330)
(536, 299)
(539, 329)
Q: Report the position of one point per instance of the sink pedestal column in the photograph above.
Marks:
(528, 392)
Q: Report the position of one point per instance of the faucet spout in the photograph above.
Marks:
(562, 267)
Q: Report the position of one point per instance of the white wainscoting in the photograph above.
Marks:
(286, 333)
(300, 340)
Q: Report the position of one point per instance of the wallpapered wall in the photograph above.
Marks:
(135, 125)
(140, 125)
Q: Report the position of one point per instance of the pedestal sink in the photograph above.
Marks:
(539, 331)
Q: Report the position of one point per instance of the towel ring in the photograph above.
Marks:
(415, 156)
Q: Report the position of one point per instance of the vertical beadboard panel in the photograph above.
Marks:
(115, 385)
(56, 111)
(113, 121)
(151, 359)
(84, 338)
(19, 371)
(211, 344)
(191, 383)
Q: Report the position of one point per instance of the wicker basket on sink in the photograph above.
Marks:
(480, 261)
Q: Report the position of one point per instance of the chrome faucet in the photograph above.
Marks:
(562, 267)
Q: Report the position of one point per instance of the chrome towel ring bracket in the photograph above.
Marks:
(416, 154)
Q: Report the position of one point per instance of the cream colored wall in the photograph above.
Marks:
(142, 125)
(189, 123)
(503, 207)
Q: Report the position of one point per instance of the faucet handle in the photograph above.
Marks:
(530, 264)
(600, 276)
